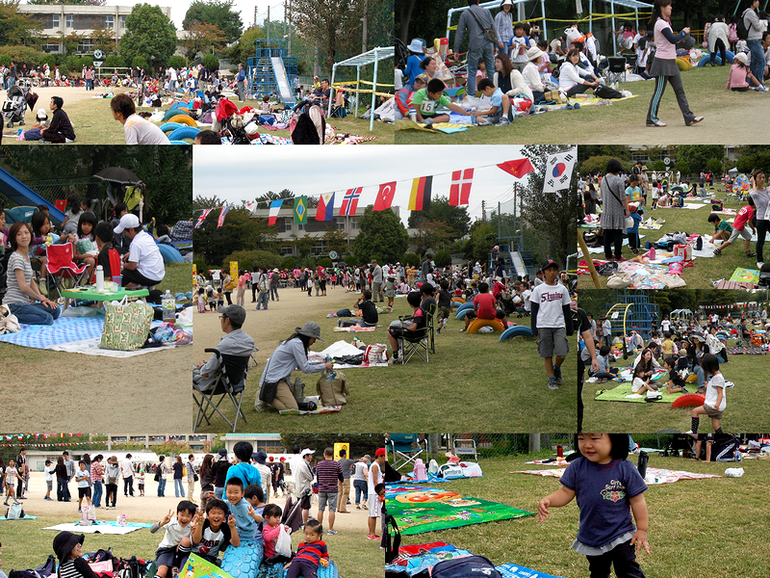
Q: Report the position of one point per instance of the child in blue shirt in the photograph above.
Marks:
(500, 112)
(242, 561)
(633, 232)
(605, 372)
(608, 489)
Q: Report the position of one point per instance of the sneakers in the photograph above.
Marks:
(657, 123)
(760, 264)
(504, 121)
(333, 532)
(717, 251)
(761, 88)
(48, 498)
(483, 121)
(557, 374)
(373, 536)
(552, 385)
(393, 360)
(697, 119)
(750, 254)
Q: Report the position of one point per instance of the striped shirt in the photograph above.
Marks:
(312, 552)
(97, 472)
(329, 473)
(75, 568)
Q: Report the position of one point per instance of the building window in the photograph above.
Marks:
(55, 21)
(354, 223)
(284, 225)
(51, 47)
(300, 226)
(69, 20)
(110, 22)
(86, 45)
(123, 22)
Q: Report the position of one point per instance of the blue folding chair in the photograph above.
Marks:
(405, 448)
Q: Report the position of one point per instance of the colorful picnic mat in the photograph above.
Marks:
(197, 567)
(100, 527)
(654, 477)
(741, 275)
(623, 393)
(419, 557)
(420, 509)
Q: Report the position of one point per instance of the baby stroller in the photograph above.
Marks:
(15, 106)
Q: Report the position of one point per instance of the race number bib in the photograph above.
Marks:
(428, 106)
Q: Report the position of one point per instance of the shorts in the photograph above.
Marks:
(443, 312)
(375, 506)
(84, 493)
(141, 486)
(745, 233)
(165, 557)
(713, 413)
(327, 497)
(49, 485)
(305, 502)
(552, 341)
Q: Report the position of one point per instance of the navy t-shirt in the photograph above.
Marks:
(603, 492)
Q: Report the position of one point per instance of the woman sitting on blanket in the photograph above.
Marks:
(572, 78)
(647, 360)
(290, 354)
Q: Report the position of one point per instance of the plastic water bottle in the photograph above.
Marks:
(332, 374)
(99, 279)
(420, 472)
(168, 305)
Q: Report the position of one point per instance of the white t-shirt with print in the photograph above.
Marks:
(550, 300)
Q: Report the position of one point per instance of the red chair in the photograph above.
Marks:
(61, 266)
(115, 263)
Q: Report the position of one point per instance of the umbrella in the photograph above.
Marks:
(118, 175)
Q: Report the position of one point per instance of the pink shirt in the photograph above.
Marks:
(737, 78)
(270, 535)
(664, 49)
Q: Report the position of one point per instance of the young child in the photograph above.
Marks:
(247, 555)
(608, 488)
(266, 108)
(444, 304)
(715, 403)
(49, 477)
(270, 530)
(310, 554)
(741, 76)
(675, 383)
(85, 246)
(11, 475)
(428, 100)
(104, 235)
(177, 541)
(551, 322)
(500, 112)
(68, 548)
(633, 232)
(743, 218)
(668, 346)
(217, 532)
(398, 329)
(140, 481)
(722, 229)
(655, 192)
(640, 384)
(82, 479)
(201, 300)
(389, 290)
(255, 496)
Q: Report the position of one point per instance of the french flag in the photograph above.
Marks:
(275, 206)
(350, 202)
(325, 210)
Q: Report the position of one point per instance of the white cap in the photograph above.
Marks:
(127, 221)
(306, 452)
(41, 114)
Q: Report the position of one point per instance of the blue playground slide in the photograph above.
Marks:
(20, 193)
(282, 81)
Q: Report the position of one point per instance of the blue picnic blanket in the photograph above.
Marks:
(63, 330)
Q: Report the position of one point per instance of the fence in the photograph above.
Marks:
(82, 188)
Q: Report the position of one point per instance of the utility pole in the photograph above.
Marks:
(365, 20)
(483, 212)
(287, 18)
(267, 26)
(499, 226)
(255, 16)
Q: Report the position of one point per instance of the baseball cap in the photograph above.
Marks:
(127, 221)
(235, 313)
(380, 452)
(548, 263)
(306, 452)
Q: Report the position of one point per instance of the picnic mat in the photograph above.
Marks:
(420, 557)
(623, 393)
(654, 477)
(741, 275)
(26, 517)
(320, 409)
(445, 127)
(100, 527)
(420, 509)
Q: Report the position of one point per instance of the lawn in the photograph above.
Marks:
(471, 379)
(726, 115)
(705, 270)
(685, 528)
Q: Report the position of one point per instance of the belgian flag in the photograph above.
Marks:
(419, 200)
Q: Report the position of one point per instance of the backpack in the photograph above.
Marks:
(263, 285)
(131, 568)
(741, 29)
(157, 473)
(467, 567)
(14, 512)
(392, 539)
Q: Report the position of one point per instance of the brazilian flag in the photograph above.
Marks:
(300, 210)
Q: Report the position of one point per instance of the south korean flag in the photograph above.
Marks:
(558, 171)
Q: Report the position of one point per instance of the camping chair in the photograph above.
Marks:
(417, 342)
(430, 325)
(230, 383)
(60, 266)
(401, 446)
(616, 69)
(465, 447)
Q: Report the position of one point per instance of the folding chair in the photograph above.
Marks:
(60, 266)
(465, 447)
(115, 264)
(616, 70)
(430, 317)
(230, 383)
(405, 448)
(417, 342)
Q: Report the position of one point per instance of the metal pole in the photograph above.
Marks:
(590, 13)
(331, 91)
(358, 86)
(545, 24)
(614, 42)
(267, 28)
(374, 89)
(499, 233)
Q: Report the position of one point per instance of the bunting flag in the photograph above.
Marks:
(385, 196)
(558, 171)
(325, 210)
(222, 215)
(518, 168)
(251, 207)
(275, 206)
(460, 189)
(202, 218)
(419, 199)
(350, 202)
(300, 210)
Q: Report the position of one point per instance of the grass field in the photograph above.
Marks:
(471, 379)
(689, 521)
(624, 121)
(705, 270)
(94, 124)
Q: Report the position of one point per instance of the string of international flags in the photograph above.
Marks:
(558, 173)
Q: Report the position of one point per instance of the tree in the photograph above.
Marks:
(71, 41)
(382, 235)
(149, 33)
(443, 258)
(103, 39)
(431, 235)
(336, 240)
(553, 216)
(683, 167)
(238, 232)
(696, 156)
(215, 13)
(211, 62)
(16, 28)
(714, 166)
(456, 218)
(483, 237)
(303, 244)
(203, 38)
(246, 45)
(325, 22)
(592, 165)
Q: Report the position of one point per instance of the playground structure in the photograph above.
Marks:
(372, 56)
(20, 193)
(632, 311)
(518, 262)
(272, 71)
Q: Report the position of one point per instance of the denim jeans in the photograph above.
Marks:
(757, 59)
(97, 499)
(262, 300)
(128, 486)
(273, 292)
(361, 490)
(178, 488)
(34, 313)
(487, 52)
(61, 489)
(161, 488)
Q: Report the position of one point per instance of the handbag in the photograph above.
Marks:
(553, 96)
(9, 323)
(489, 33)
(618, 281)
(126, 325)
(333, 392)
(603, 91)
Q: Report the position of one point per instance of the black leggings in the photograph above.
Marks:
(762, 229)
(622, 557)
(718, 45)
(613, 236)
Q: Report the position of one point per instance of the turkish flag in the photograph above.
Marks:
(517, 168)
(385, 196)
(460, 189)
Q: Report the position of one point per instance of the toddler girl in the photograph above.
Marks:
(85, 244)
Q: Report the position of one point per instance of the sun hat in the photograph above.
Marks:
(742, 58)
(310, 329)
(42, 114)
(306, 452)
(65, 542)
(534, 53)
(127, 221)
(276, 270)
(417, 45)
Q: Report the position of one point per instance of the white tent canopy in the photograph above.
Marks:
(372, 56)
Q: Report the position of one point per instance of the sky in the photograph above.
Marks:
(246, 8)
(244, 173)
